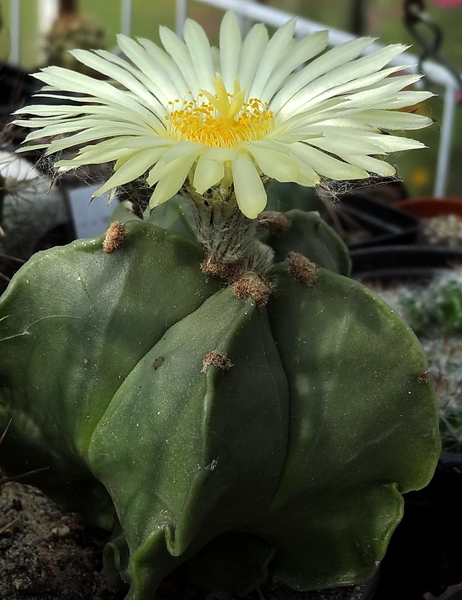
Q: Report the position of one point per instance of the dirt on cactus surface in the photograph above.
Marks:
(46, 554)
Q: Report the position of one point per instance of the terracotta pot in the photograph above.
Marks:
(427, 208)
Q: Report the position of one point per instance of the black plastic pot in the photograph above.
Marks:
(381, 223)
(406, 261)
(16, 88)
(425, 552)
(367, 590)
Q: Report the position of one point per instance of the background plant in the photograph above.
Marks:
(30, 208)
(434, 310)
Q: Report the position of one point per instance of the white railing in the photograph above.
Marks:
(248, 12)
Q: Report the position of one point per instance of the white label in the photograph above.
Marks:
(91, 217)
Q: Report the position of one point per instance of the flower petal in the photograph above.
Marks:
(362, 72)
(371, 164)
(133, 168)
(230, 48)
(382, 91)
(277, 165)
(71, 81)
(97, 133)
(65, 114)
(328, 166)
(172, 180)
(332, 59)
(275, 48)
(250, 192)
(304, 175)
(209, 171)
(153, 76)
(392, 119)
(111, 150)
(320, 90)
(341, 144)
(164, 61)
(252, 50)
(147, 76)
(122, 76)
(403, 99)
(180, 54)
(307, 48)
(175, 155)
(199, 49)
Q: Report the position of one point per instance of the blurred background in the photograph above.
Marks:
(94, 23)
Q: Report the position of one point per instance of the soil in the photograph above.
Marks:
(46, 554)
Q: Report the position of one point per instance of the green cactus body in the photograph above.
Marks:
(207, 428)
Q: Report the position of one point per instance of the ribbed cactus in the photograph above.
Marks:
(435, 307)
(243, 425)
(434, 311)
(30, 208)
(72, 30)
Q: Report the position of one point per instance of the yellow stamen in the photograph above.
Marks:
(221, 119)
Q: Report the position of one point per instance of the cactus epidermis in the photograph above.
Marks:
(207, 427)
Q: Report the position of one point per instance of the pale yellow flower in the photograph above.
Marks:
(256, 108)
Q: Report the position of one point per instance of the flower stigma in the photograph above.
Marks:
(220, 120)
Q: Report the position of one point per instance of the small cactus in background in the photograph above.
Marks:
(206, 381)
(437, 306)
(69, 31)
(445, 368)
(434, 311)
(442, 231)
(30, 207)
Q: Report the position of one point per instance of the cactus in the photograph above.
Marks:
(434, 311)
(30, 207)
(244, 427)
(437, 307)
(206, 381)
(69, 31)
(445, 230)
(445, 360)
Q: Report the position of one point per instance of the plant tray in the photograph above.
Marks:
(383, 223)
(402, 261)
